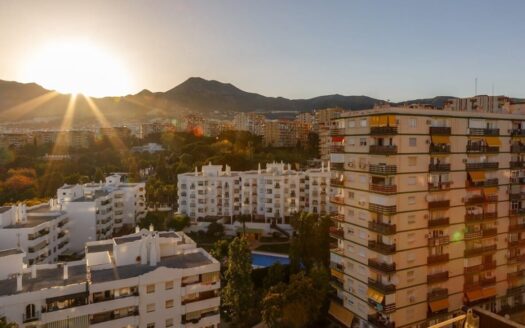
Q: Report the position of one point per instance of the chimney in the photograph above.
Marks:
(33, 271)
(66, 272)
(18, 282)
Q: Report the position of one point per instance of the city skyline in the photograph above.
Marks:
(275, 49)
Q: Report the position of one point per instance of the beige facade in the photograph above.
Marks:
(322, 126)
(430, 213)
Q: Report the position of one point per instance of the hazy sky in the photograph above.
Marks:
(388, 49)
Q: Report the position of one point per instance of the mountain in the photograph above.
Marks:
(20, 101)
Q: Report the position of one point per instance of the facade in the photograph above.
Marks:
(64, 139)
(322, 126)
(40, 231)
(150, 147)
(147, 129)
(269, 197)
(280, 133)
(251, 122)
(14, 139)
(147, 279)
(430, 214)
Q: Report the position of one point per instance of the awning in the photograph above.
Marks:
(477, 176)
(441, 140)
(490, 190)
(375, 296)
(341, 314)
(374, 121)
(382, 120)
(475, 295)
(337, 274)
(489, 292)
(338, 139)
(493, 141)
(439, 305)
(392, 120)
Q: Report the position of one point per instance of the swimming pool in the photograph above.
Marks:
(264, 259)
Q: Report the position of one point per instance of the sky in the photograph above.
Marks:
(395, 50)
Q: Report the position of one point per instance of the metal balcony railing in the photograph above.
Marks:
(481, 166)
(517, 148)
(483, 132)
(437, 294)
(382, 266)
(382, 228)
(381, 247)
(382, 169)
(440, 130)
(438, 222)
(478, 148)
(383, 150)
(445, 167)
(475, 251)
(383, 130)
(384, 209)
(437, 258)
(385, 288)
(439, 148)
(382, 188)
(437, 277)
(434, 204)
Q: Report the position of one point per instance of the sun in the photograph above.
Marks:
(77, 67)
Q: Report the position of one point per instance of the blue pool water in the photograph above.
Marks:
(266, 260)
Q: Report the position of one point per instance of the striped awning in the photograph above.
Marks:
(375, 296)
(441, 140)
(493, 141)
(477, 176)
(439, 305)
(341, 314)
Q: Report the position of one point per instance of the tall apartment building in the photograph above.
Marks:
(284, 133)
(251, 122)
(323, 121)
(431, 214)
(64, 139)
(269, 195)
(147, 279)
(14, 139)
(147, 129)
(40, 231)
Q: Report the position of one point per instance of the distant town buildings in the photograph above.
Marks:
(267, 196)
(251, 122)
(323, 123)
(146, 279)
(150, 147)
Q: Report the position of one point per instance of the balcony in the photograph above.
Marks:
(478, 199)
(437, 204)
(439, 186)
(517, 164)
(382, 228)
(476, 251)
(379, 322)
(484, 282)
(440, 130)
(337, 183)
(437, 258)
(337, 217)
(517, 148)
(381, 287)
(337, 232)
(437, 294)
(337, 149)
(480, 217)
(517, 133)
(480, 267)
(439, 148)
(483, 132)
(383, 150)
(520, 195)
(517, 180)
(516, 258)
(382, 188)
(436, 241)
(437, 277)
(516, 227)
(383, 130)
(484, 183)
(337, 200)
(482, 166)
(31, 318)
(438, 222)
(478, 148)
(337, 131)
(382, 169)
(469, 235)
(439, 167)
(382, 248)
(336, 166)
(382, 266)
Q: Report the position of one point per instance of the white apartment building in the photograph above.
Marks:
(41, 231)
(268, 196)
(430, 214)
(147, 279)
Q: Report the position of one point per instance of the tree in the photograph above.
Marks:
(5, 324)
(215, 230)
(178, 223)
(238, 292)
(311, 243)
(157, 219)
(220, 250)
(274, 275)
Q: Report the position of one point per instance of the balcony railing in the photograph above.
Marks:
(516, 227)
(337, 183)
(517, 164)
(382, 228)
(439, 186)
(437, 294)
(437, 258)
(517, 133)
(483, 132)
(381, 247)
(437, 277)
(480, 234)
(382, 188)
(337, 131)
(479, 217)
(337, 149)
(480, 184)
(480, 267)
(482, 166)
(382, 266)
(439, 148)
(382, 169)
(480, 284)
(383, 150)
(436, 241)
(520, 195)
(31, 317)
(517, 180)
(384, 209)
(337, 200)
(382, 287)
(379, 322)
(516, 258)
(478, 199)
(477, 148)
(434, 204)
(440, 130)
(517, 148)
(383, 130)
(336, 232)
(438, 222)
(475, 251)
(445, 167)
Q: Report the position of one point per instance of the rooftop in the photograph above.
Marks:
(182, 261)
(33, 221)
(100, 248)
(11, 251)
(127, 239)
(90, 198)
(4, 209)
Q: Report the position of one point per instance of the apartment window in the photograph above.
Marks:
(350, 213)
(351, 248)
(362, 141)
(150, 307)
(412, 161)
(169, 322)
(150, 289)
(363, 123)
(362, 216)
(411, 237)
(412, 141)
(411, 181)
(362, 179)
(363, 235)
(351, 124)
(168, 285)
(351, 141)
(169, 304)
(362, 253)
(412, 122)
(411, 219)
(410, 276)
(411, 200)
(351, 195)
(411, 257)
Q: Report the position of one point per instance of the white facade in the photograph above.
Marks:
(41, 231)
(268, 196)
(147, 279)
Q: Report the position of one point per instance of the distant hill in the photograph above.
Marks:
(20, 101)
